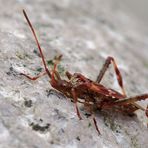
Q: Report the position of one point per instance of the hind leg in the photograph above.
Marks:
(118, 74)
(131, 99)
(128, 101)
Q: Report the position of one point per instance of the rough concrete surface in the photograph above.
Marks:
(32, 114)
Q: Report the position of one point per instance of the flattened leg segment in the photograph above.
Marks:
(131, 99)
(128, 101)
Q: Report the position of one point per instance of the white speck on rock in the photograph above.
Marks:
(116, 35)
(123, 66)
(4, 133)
(23, 121)
(45, 136)
(115, 83)
(104, 54)
(19, 34)
(8, 93)
(70, 145)
(21, 1)
(120, 138)
(90, 44)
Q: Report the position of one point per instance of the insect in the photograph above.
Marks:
(91, 94)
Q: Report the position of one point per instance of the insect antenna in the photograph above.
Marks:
(38, 44)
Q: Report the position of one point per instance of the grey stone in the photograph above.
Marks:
(32, 114)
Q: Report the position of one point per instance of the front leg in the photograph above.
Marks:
(34, 78)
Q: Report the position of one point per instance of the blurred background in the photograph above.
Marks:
(137, 9)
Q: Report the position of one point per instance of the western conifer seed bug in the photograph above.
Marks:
(91, 94)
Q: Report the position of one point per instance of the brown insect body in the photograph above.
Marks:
(85, 86)
(90, 93)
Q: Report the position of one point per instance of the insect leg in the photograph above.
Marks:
(54, 72)
(146, 111)
(95, 123)
(75, 102)
(90, 108)
(34, 78)
(69, 75)
(131, 99)
(118, 74)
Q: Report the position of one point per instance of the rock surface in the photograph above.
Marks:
(32, 114)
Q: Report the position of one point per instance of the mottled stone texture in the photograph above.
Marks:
(32, 114)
